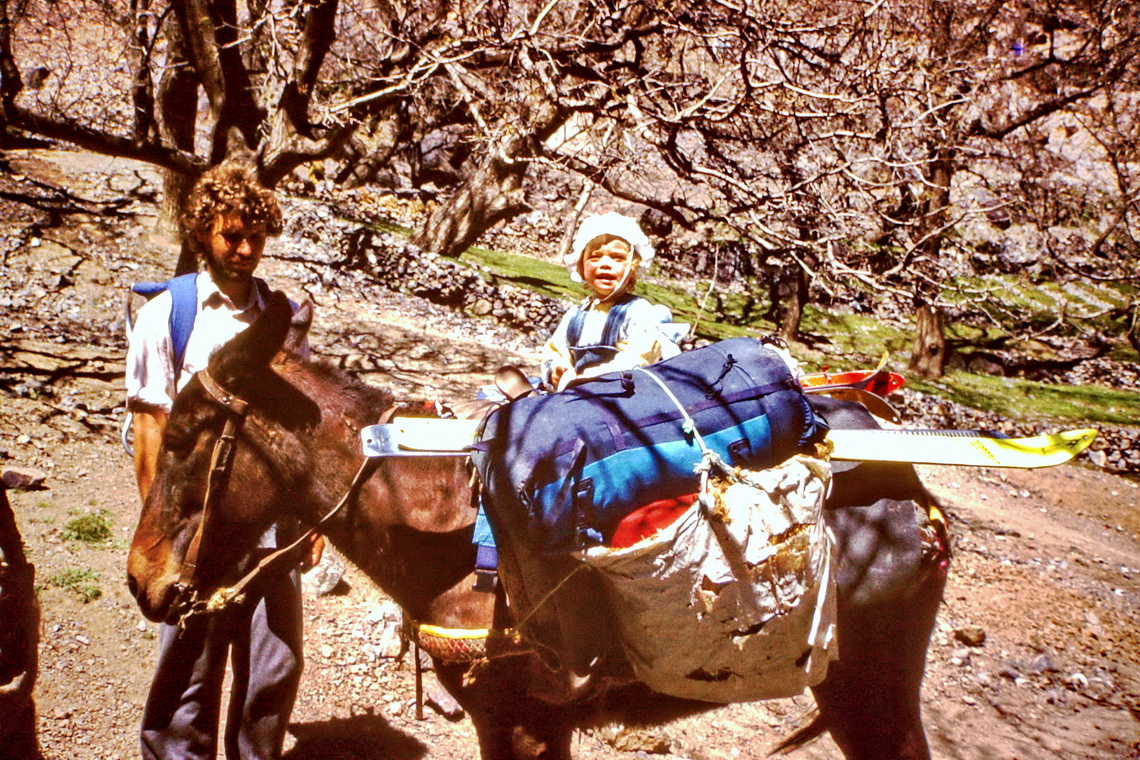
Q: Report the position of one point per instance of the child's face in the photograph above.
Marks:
(606, 268)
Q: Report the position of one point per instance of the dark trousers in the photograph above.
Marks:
(262, 639)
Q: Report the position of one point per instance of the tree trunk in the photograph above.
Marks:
(794, 298)
(142, 88)
(1132, 329)
(576, 212)
(929, 356)
(493, 192)
(177, 120)
(10, 81)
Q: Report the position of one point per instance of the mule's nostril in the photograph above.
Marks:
(132, 585)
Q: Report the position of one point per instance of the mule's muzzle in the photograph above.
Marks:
(159, 603)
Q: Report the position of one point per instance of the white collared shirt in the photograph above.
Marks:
(150, 362)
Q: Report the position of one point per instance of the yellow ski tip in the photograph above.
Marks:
(1072, 442)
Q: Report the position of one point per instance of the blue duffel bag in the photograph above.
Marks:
(570, 465)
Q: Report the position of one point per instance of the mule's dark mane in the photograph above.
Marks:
(351, 390)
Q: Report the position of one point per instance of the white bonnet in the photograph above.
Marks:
(610, 223)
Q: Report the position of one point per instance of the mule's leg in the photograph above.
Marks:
(511, 724)
(870, 700)
(889, 592)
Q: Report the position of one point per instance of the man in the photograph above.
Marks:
(228, 218)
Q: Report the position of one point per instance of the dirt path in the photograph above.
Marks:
(1047, 563)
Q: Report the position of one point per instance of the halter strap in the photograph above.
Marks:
(225, 596)
(220, 461)
(221, 395)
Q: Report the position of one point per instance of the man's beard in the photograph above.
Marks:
(225, 273)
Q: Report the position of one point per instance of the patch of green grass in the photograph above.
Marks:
(540, 276)
(1028, 399)
(855, 340)
(91, 528)
(82, 582)
(716, 315)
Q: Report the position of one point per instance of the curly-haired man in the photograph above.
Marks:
(227, 218)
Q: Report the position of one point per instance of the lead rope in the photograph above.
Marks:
(235, 594)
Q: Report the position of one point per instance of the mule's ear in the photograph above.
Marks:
(299, 327)
(253, 349)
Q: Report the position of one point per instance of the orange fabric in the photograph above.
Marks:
(645, 521)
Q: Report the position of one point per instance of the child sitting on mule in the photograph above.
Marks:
(612, 330)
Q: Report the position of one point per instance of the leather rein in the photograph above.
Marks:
(221, 462)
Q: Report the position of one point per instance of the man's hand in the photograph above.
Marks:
(312, 557)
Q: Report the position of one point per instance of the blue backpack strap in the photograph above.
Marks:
(486, 552)
(574, 329)
(183, 310)
(611, 333)
(184, 294)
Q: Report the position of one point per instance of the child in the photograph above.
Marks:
(612, 330)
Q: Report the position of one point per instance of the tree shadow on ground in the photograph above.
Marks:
(359, 737)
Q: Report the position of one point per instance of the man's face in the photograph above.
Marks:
(605, 267)
(233, 248)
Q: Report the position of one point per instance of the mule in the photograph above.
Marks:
(410, 527)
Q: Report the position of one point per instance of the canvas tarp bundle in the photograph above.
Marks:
(734, 601)
(576, 462)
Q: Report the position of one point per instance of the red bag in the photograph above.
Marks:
(644, 522)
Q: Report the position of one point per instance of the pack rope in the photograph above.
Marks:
(709, 458)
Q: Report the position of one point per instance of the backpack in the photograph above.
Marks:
(571, 465)
(560, 471)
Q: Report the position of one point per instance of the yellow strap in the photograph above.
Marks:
(453, 633)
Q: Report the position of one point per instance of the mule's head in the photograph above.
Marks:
(270, 465)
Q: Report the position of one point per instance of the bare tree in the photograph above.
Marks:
(127, 84)
(855, 148)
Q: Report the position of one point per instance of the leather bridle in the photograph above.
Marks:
(188, 602)
(220, 462)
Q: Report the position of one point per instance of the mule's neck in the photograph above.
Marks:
(410, 529)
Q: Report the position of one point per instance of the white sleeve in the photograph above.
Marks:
(556, 350)
(641, 330)
(150, 366)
